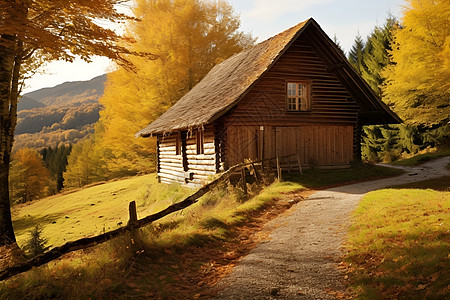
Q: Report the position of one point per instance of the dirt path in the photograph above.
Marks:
(300, 258)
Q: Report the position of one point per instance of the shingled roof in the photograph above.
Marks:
(229, 81)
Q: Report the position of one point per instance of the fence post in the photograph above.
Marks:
(256, 173)
(133, 212)
(244, 182)
(289, 164)
(299, 163)
(279, 169)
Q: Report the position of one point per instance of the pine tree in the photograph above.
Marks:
(55, 160)
(376, 54)
(35, 245)
(355, 56)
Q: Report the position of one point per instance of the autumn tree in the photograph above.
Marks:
(418, 81)
(188, 37)
(30, 179)
(85, 165)
(34, 31)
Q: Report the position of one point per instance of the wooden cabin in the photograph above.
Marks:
(293, 93)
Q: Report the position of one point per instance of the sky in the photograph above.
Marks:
(263, 19)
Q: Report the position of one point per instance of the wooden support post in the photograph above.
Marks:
(257, 177)
(133, 213)
(244, 182)
(299, 163)
(289, 164)
(279, 170)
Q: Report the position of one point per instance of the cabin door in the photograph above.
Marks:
(286, 143)
(316, 145)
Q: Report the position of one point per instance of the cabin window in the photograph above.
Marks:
(298, 98)
(200, 146)
(178, 144)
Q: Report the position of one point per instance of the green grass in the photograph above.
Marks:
(211, 222)
(421, 158)
(316, 178)
(92, 210)
(399, 243)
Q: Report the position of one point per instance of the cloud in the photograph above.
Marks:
(269, 10)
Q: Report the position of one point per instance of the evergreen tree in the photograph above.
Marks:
(376, 54)
(55, 160)
(35, 245)
(355, 56)
(338, 44)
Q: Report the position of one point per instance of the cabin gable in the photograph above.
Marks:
(266, 102)
(261, 126)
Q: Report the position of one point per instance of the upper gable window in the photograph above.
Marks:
(298, 96)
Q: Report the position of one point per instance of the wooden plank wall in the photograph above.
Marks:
(265, 103)
(317, 144)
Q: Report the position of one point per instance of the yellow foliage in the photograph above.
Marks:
(418, 81)
(188, 37)
(29, 178)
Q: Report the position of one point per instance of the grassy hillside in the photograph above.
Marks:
(85, 212)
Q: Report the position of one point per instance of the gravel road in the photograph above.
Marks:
(300, 258)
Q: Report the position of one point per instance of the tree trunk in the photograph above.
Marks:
(10, 61)
(7, 58)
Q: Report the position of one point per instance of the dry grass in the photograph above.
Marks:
(181, 256)
(399, 243)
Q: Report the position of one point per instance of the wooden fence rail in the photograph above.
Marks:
(132, 225)
(135, 224)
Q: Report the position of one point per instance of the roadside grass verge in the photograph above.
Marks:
(178, 256)
(399, 242)
(316, 178)
(421, 158)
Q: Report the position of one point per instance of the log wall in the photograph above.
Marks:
(201, 165)
(188, 167)
(170, 167)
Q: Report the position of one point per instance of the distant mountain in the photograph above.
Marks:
(26, 103)
(71, 92)
(65, 113)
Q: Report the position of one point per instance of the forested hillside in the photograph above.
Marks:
(65, 113)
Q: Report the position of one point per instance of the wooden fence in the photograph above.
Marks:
(134, 223)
